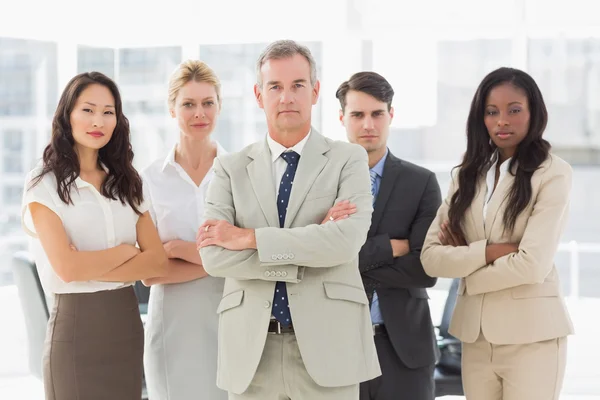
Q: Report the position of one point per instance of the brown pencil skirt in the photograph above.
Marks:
(94, 347)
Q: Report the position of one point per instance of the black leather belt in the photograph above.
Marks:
(379, 329)
(276, 327)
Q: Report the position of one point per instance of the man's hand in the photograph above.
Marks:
(222, 233)
(400, 247)
(341, 210)
(449, 238)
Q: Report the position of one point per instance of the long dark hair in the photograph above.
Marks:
(529, 155)
(123, 182)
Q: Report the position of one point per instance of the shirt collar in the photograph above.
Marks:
(494, 160)
(170, 159)
(378, 168)
(277, 149)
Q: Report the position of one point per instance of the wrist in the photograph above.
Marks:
(250, 239)
(175, 250)
(132, 251)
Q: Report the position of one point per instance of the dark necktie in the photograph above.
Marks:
(281, 308)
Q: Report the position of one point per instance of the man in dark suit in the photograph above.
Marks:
(406, 198)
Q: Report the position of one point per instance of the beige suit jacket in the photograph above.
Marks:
(517, 299)
(329, 307)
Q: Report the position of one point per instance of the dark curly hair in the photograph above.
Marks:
(123, 181)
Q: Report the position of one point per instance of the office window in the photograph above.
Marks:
(568, 73)
(147, 65)
(12, 194)
(432, 100)
(96, 59)
(13, 140)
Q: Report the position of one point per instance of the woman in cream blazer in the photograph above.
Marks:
(498, 231)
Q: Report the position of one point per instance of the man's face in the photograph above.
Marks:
(367, 120)
(286, 94)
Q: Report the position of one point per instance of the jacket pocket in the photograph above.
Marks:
(341, 291)
(546, 289)
(230, 301)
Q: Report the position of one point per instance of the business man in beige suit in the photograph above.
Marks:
(294, 318)
(498, 231)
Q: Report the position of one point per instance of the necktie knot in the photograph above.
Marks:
(291, 157)
(373, 184)
(373, 176)
(373, 180)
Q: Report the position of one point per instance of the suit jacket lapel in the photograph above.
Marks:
(391, 170)
(260, 173)
(312, 162)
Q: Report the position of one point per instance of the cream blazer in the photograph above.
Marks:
(516, 299)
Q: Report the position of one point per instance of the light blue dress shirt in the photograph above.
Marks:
(376, 175)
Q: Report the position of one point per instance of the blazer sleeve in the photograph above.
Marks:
(405, 271)
(535, 258)
(450, 261)
(332, 243)
(244, 264)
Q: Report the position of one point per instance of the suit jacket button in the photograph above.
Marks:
(274, 257)
(267, 304)
(267, 274)
(279, 257)
(284, 273)
(286, 257)
(291, 256)
(278, 273)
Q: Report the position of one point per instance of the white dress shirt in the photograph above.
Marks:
(491, 179)
(92, 223)
(180, 350)
(279, 164)
(176, 202)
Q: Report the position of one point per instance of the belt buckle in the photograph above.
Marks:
(278, 325)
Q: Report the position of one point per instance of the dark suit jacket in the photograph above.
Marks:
(408, 199)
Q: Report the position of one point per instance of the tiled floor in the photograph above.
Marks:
(582, 380)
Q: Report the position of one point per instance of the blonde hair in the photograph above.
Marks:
(192, 70)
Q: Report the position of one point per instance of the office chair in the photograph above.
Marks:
(447, 375)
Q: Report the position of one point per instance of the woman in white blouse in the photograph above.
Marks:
(180, 356)
(84, 206)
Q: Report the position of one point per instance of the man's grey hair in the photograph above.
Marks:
(284, 49)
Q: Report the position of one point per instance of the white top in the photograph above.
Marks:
(93, 222)
(279, 164)
(177, 204)
(491, 178)
(180, 347)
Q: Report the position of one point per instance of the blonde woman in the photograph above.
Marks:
(180, 356)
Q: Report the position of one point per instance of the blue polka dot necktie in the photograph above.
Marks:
(281, 308)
